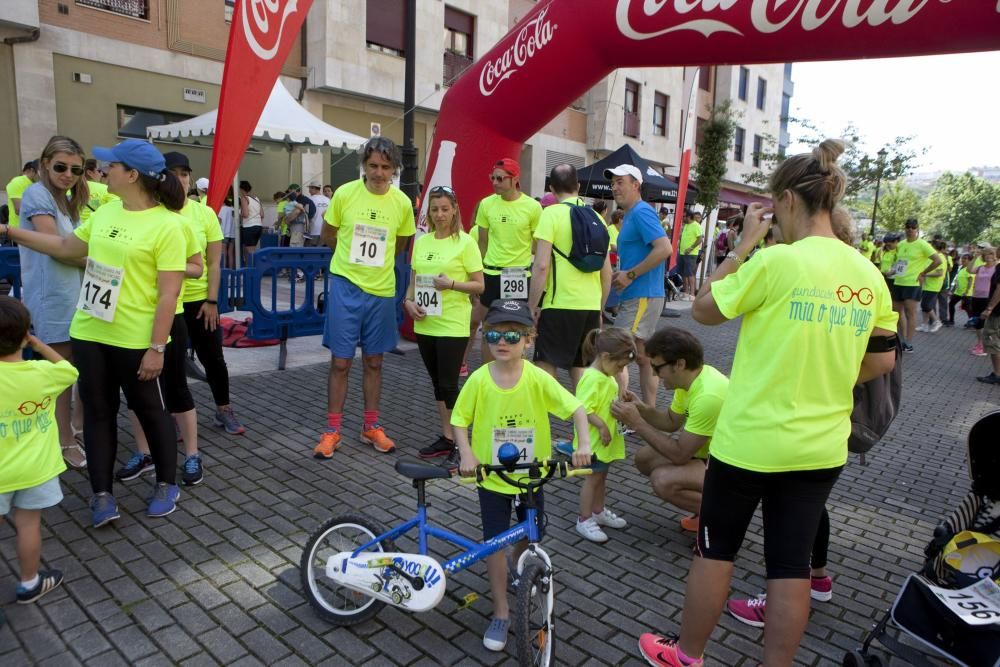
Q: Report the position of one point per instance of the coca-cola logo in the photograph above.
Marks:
(766, 16)
(532, 37)
(263, 26)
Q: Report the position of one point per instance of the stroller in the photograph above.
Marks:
(917, 611)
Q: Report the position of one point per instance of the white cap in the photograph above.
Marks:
(201, 183)
(624, 170)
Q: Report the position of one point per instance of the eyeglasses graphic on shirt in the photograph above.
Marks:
(61, 168)
(29, 408)
(864, 295)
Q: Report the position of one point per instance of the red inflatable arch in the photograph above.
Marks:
(563, 47)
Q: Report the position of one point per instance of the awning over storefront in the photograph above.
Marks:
(740, 198)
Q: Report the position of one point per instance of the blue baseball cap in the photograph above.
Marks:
(137, 154)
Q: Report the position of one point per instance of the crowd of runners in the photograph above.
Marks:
(120, 278)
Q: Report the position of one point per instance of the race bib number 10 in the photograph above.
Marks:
(101, 287)
(522, 438)
(514, 284)
(426, 295)
(368, 245)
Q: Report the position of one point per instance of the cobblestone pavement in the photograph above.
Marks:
(217, 582)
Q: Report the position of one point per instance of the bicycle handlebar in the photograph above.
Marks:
(552, 466)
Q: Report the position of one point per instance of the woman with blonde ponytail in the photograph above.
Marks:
(817, 319)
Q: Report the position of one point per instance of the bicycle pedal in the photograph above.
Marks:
(467, 601)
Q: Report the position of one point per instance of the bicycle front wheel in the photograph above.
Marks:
(335, 603)
(533, 620)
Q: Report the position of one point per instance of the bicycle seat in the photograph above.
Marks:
(417, 470)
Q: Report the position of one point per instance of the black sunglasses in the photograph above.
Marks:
(499, 179)
(61, 167)
(511, 337)
(658, 367)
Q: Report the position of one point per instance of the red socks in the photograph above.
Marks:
(333, 420)
(371, 418)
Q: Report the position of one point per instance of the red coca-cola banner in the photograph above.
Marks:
(563, 47)
(261, 34)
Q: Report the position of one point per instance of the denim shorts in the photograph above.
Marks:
(355, 317)
(46, 494)
(495, 510)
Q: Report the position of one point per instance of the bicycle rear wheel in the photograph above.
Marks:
(335, 603)
(533, 619)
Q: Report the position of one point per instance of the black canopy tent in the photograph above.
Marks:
(655, 186)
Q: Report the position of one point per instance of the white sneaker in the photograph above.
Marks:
(610, 519)
(590, 530)
(922, 328)
(936, 326)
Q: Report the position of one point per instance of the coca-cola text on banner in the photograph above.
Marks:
(260, 37)
(563, 47)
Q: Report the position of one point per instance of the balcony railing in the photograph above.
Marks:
(454, 65)
(137, 9)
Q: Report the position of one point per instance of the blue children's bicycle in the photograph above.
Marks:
(350, 568)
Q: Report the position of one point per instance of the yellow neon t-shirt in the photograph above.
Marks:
(526, 405)
(867, 248)
(15, 190)
(597, 392)
(204, 227)
(99, 196)
(142, 243)
(385, 217)
(29, 437)
(613, 235)
(701, 404)
(935, 283)
(917, 255)
(689, 237)
(457, 257)
(977, 261)
(574, 289)
(809, 309)
(510, 226)
(963, 283)
(887, 260)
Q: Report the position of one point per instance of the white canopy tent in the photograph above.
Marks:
(283, 120)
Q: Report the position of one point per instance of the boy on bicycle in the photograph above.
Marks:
(509, 400)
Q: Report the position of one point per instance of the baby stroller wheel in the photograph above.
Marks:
(857, 658)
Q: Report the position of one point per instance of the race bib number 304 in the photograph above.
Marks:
(426, 295)
(368, 245)
(101, 288)
(522, 438)
(514, 284)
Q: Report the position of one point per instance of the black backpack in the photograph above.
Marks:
(876, 404)
(590, 239)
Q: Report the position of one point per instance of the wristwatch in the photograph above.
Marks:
(158, 348)
(630, 275)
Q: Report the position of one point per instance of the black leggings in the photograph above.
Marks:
(104, 369)
(793, 505)
(443, 359)
(208, 346)
(952, 302)
(176, 395)
(821, 545)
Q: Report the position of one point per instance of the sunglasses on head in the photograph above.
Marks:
(442, 190)
(62, 167)
(510, 337)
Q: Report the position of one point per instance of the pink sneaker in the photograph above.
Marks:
(751, 611)
(821, 588)
(977, 350)
(661, 651)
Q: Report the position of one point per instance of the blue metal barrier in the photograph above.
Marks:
(10, 270)
(243, 289)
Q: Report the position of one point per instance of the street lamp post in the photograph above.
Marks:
(878, 183)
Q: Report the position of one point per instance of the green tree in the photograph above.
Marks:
(963, 207)
(716, 140)
(896, 203)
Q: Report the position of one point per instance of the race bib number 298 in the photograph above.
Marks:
(101, 288)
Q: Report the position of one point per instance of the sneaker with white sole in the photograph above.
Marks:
(609, 519)
(589, 530)
(936, 326)
(495, 638)
(923, 328)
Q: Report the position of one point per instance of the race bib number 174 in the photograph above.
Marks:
(102, 285)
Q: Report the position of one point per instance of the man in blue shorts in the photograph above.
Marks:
(369, 221)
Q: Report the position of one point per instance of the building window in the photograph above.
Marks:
(738, 142)
(705, 79)
(758, 148)
(744, 91)
(459, 29)
(137, 9)
(631, 109)
(761, 93)
(699, 132)
(133, 121)
(230, 4)
(385, 26)
(661, 111)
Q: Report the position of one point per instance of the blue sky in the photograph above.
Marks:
(951, 103)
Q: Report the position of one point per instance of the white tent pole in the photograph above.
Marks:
(237, 221)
